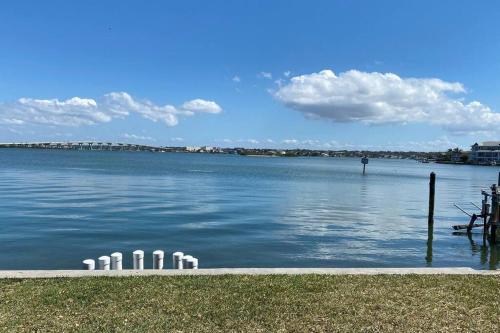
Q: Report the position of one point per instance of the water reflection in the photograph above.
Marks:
(488, 252)
(59, 207)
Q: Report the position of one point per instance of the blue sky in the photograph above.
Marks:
(416, 75)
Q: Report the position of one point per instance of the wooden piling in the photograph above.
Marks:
(495, 213)
(430, 237)
(432, 191)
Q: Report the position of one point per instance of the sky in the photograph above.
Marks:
(374, 75)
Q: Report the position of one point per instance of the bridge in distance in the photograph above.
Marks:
(85, 145)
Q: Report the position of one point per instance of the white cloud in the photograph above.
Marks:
(236, 78)
(137, 137)
(287, 73)
(78, 111)
(269, 140)
(310, 142)
(290, 141)
(378, 98)
(177, 139)
(265, 75)
(201, 105)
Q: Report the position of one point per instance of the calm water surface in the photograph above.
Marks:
(59, 207)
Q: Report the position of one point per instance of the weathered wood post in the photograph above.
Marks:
(432, 191)
(494, 213)
(104, 263)
(138, 256)
(89, 264)
(430, 237)
(158, 259)
(116, 261)
(485, 212)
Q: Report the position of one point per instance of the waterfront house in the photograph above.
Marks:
(485, 153)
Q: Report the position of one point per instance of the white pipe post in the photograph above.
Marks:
(195, 263)
(89, 264)
(116, 261)
(177, 260)
(104, 263)
(158, 259)
(185, 261)
(138, 259)
(190, 263)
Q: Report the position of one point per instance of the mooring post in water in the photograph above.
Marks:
(158, 259)
(138, 256)
(432, 191)
(177, 260)
(89, 264)
(116, 261)
(104, 263)
(485, 212)
(364, 160)
(430, 237)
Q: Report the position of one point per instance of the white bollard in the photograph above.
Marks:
(185, 261)
(116, 261)
(177, 260)
(104, 263)
(138, 259)
(89, 264)
(195, 263)
(158, 259)
(190, 263)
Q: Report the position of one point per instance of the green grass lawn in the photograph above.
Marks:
(295, 303)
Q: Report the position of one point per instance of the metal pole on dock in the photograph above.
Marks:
(158, 259)
(138, 256)
(432, 191)
(89, 264)
(116, 261)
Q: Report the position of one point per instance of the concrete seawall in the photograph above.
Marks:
(245, 271)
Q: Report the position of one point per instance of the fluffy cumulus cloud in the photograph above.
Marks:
(78, 111)
(381, 98)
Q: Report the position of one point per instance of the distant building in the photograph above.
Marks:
(456, 156)
(486, 152)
